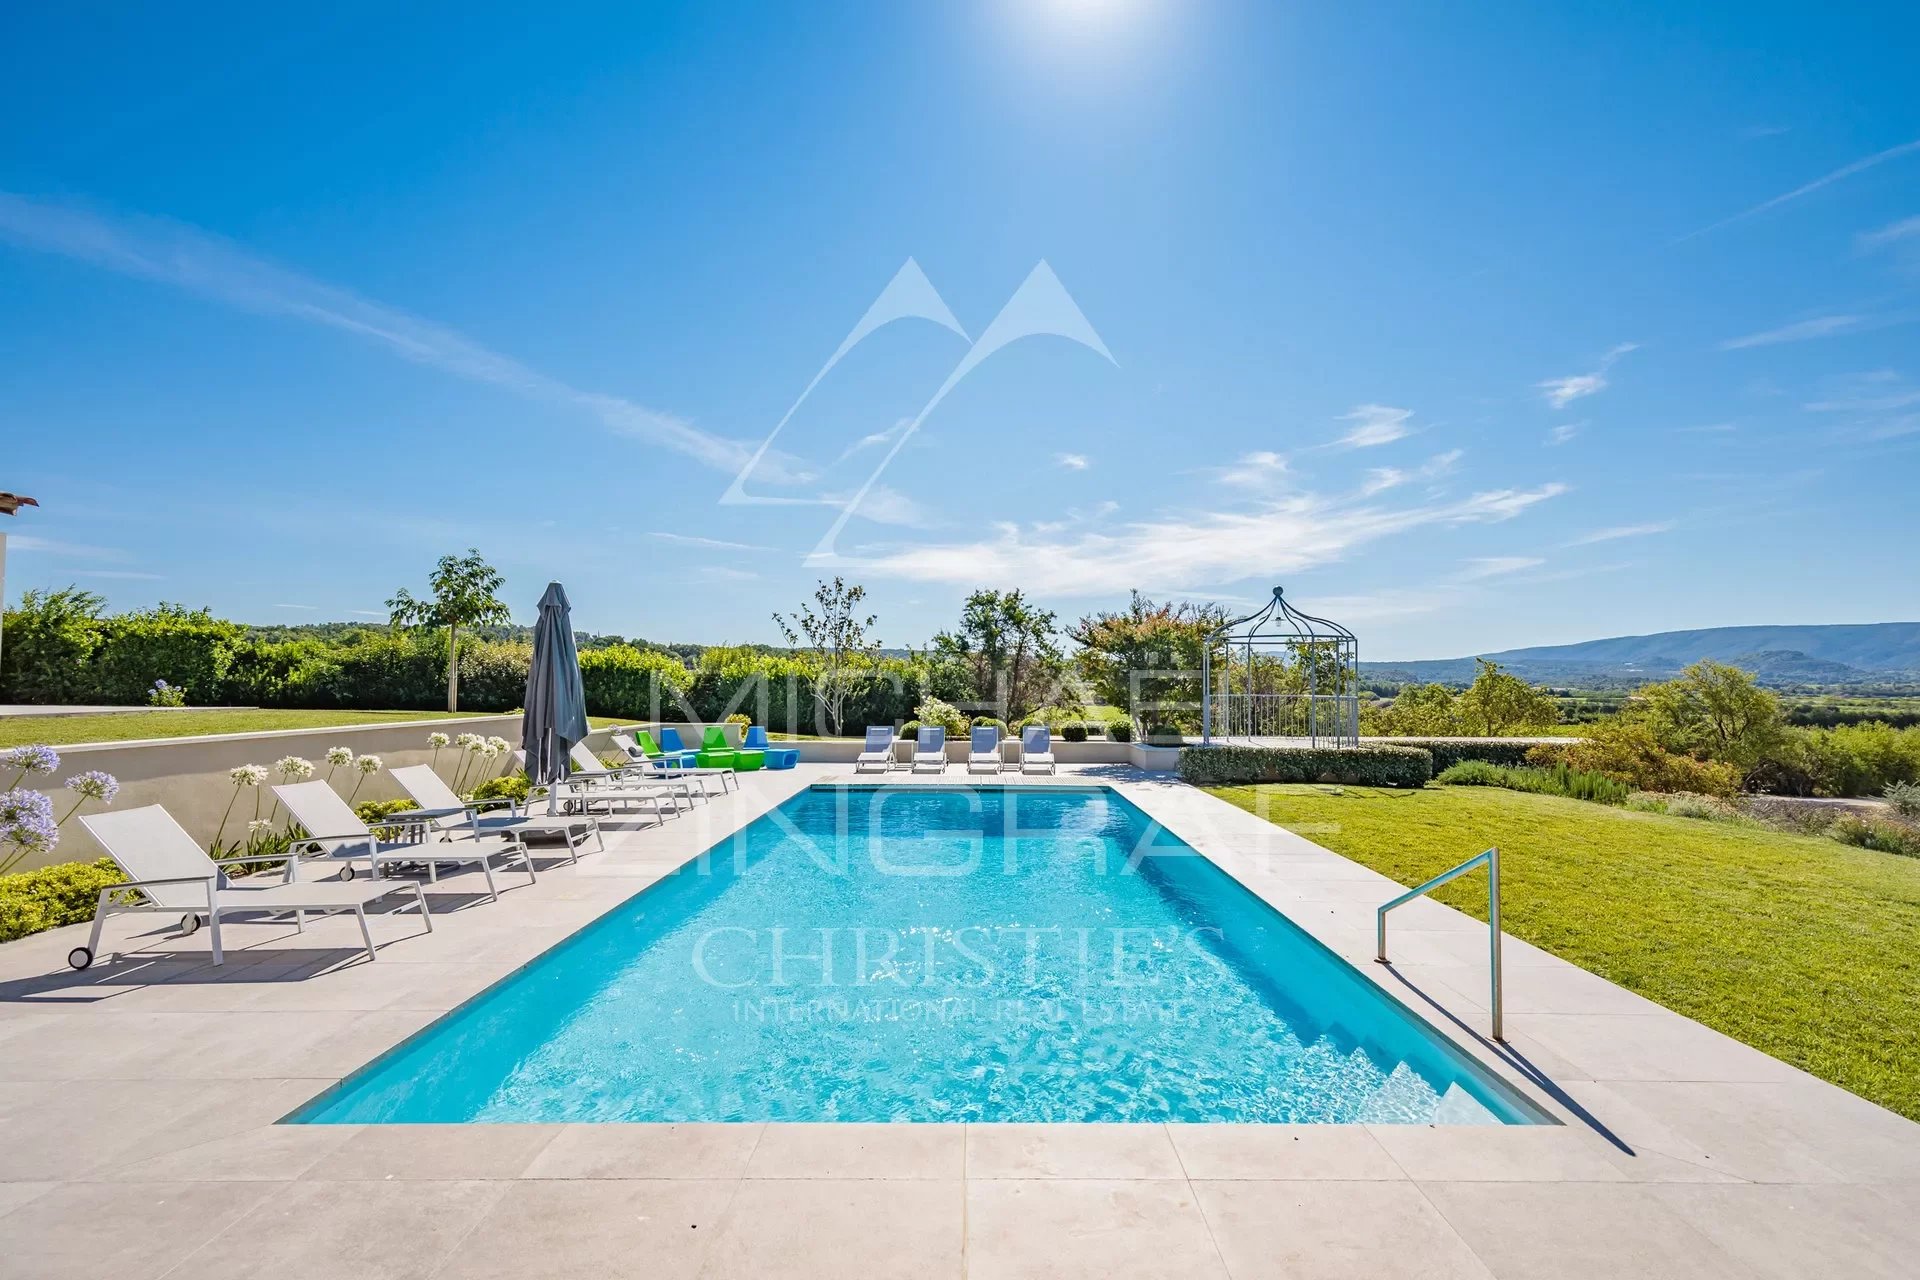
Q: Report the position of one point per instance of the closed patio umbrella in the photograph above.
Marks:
(556, 715)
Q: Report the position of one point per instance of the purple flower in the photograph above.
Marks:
(94, 785)
(30, 759)
(26, 820)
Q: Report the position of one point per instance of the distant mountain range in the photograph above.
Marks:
(1865, 653)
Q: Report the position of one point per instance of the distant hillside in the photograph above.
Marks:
(1837, 654)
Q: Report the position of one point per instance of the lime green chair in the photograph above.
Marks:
(716, 754)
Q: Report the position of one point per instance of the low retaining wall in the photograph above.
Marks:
(189, 775)
(1139, 755)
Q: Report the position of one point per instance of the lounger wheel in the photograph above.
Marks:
(189, 923)
(346, 871)
(80, 957)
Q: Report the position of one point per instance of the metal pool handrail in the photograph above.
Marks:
(1492, 860)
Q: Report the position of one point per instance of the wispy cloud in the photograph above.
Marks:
(1283, 535)
(1755, 132)
(1801, 331)
(300, 608)
(1561, 392)
(695, 540)
(1893, 233)
(1072, 461)
(1258, 470)
(1844, 172)
(1619, 531)
(1565, 432)
(725, 573)
(1480, 568)
(1375, 424)
(125, 575)
(70, 550)
(186, 258)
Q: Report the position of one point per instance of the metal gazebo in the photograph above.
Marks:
(1283, 676)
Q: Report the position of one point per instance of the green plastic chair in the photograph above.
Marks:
(715, 753)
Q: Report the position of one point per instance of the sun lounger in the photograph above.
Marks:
(589, 773)
(930, 750)
(335, 830)
(610, 788)
(878, 753)
(1036, 749)
(983, 755)
(642, 750)
(173, 875)
(447, 813)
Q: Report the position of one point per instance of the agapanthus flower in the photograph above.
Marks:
(293, 768)
(499, 746)
(26, 820)
(260, 826)
(248, 775)
(337, 756)
(437, 740)
(367, 764)
(36, 759)
(466, 739)
(94, 785)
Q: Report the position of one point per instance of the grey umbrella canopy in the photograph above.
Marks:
(556, 716)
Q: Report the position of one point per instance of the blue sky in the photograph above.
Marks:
(1476, 329)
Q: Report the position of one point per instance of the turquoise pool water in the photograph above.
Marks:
(912, 953)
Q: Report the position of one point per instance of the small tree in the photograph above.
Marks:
(464, 590)
(1151, 649)
(1498, 704)
(1715, 712)
(836, 641)
(1007, 648)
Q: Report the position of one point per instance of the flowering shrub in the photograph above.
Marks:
(163, 694)
(27, 824)
(293, 768)
(49, 897)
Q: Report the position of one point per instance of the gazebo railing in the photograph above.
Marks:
(1332, 717)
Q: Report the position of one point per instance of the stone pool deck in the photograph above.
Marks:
(138, 1101)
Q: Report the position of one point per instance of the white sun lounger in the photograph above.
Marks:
(173, 875)
(1036, 749)
(930, 750)
(338, 833)
(441, 806)
(588, 771)
(878, 753)
(584, 789)
(647, 766)
(983, 755)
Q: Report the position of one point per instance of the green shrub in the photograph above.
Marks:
(1367, 766)
(1074, 731)
(1557, 781)
(910, 729)
(49, 897)
(1120, 730)
(1882, 834)
(512, 786)
(1162, 734)
(739, 718)
(1687, 804)
(1903, 798)
(944, 714)
(1492, 751)
(1646, 802)
(990, 722)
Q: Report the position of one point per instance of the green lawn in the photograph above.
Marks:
(1800, 946)
(17, 731)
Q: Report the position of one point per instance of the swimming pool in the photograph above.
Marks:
(919, 953)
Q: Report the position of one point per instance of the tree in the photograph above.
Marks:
(463, 596)
(1419, 711)
(1148, 657)
(1715, 712)
(1007, 649)
(51, 640)
(836, 638)
(1499, 704)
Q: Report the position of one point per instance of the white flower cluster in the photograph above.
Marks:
(248, 775)
(367, 764)
(339, 756)
(293, 768)
(437, 740)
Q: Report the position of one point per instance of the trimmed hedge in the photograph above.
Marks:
(52, 896)
(1372, 766)
(1492, 750)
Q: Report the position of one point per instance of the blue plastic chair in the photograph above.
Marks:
(677, 751)
(777, 757)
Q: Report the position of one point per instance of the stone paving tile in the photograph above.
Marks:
(1747, 1131)
(859, 1151)
(1281, 1151)
(582, 1230)
(1494, 1153)
(132, 1231)
(49, 1130)
(1333, 1231)
(431, 1152)
(1792, 1232)
(1099, 1151)
(834, 1229)
(1064, 1229)
(703, 1151)
(331, 1230)
(272, 1153)
(1577, 1231)
(15, 1194)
